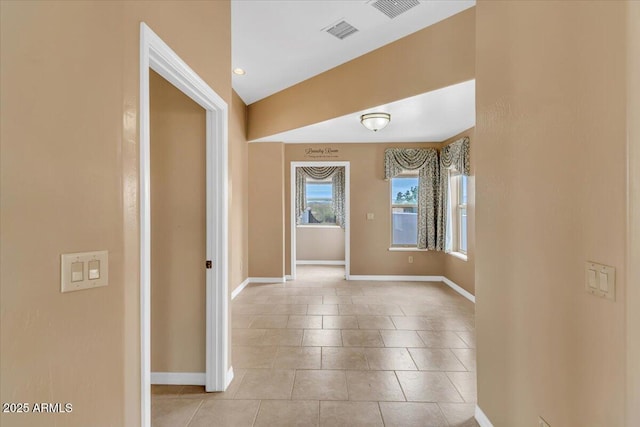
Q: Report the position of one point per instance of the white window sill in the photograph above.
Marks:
(317, 226)
(406, 249)
(458, 255)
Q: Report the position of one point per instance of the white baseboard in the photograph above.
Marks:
(319, 262)
(240, 287)
(178, 378)
(482, 418)
(229, 377)
(288, 277)
(459, 289)
(267, 279)
(398, 278)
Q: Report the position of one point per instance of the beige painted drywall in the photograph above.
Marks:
(370, 193)
(437, 56)
(633, 219)
(460, 271)
(320, 243)
(266, 210)
(550, 152)
(69, 85)
(238, 194)
(178, 229)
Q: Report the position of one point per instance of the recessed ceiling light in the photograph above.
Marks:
(239, 71)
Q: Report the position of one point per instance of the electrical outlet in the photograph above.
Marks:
(542, 422)
(410, 259)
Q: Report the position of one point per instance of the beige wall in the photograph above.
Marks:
(460, 271)
(69, 182)
(370, 240)
(633, 219)
(238, 194)
(320, 243)
(551, 194)
(266, 210)
(178, 229)
(437, 56)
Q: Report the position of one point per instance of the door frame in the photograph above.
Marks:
(347, 211)
(158, 56)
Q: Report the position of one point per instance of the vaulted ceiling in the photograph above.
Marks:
(281, 43)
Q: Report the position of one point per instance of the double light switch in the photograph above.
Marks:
(600, 280)
(84, 270)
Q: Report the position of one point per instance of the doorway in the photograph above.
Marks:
(158, 56)
(326, 232)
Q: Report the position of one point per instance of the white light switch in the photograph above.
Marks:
(370, 217)
(94, 270)
(604, 282)
(84, 270)
(592, 279)
(77, 271)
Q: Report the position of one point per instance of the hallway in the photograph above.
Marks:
(324, 351)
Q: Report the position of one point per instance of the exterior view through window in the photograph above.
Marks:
(458, 211)
(404, 211)
(319, 203)
(462, 214)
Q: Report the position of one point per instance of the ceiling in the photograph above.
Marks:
(280, 43)
(433, 116)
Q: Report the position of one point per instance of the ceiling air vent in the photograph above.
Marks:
(341, 30)
(393, 8)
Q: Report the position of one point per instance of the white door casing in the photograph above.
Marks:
(158, 56)
(347, 211)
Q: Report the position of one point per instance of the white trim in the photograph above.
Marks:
(458, 255)
(318, 262)
(267, 279)
(406, 249)
(459, 289)
(158, 56)
(399, 278)
(288, 278)
(240, 287)
(229, 377)
(178, 378)
(347, 211)
(482, 418)
(317, 226)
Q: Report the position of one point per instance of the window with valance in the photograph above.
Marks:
(322, 176)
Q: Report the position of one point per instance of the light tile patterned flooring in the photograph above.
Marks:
(323, 351)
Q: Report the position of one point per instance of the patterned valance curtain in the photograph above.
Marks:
(425, 160)
(321, 172)
(453, 156)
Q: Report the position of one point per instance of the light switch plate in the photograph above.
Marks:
(99, 258)
(600, 280)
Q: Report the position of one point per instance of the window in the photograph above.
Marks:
(319, 202)
(458, 211)
(404, 210)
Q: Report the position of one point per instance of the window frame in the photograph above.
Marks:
(392, 246)
(313, 181)
(456, 209)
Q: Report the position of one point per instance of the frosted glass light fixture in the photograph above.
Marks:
(375, 121)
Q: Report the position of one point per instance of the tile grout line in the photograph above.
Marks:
(255, 417)
(194, 413)
(400, 384)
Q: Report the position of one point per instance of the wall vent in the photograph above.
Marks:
(341, 30)
(393, 8)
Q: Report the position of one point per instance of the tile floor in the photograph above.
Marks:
(321, 351)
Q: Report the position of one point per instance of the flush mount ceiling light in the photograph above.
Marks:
(375, 121)
(239, 71)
